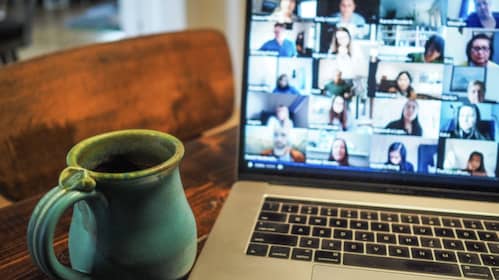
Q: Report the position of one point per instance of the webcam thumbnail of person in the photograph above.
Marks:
(403, 154)
(275, 144)
(470, 158)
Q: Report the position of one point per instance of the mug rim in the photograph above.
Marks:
(164, 167)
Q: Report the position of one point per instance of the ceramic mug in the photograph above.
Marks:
(131, 219)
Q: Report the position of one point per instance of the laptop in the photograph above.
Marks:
(368, 145)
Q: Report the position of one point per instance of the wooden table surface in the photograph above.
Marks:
(208, 171)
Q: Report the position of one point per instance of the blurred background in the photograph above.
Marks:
(30, 28)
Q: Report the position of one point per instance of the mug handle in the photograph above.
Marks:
(75, 184)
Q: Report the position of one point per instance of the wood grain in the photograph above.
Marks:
(179, 83)
(207, 171)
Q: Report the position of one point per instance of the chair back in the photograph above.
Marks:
(180, 83)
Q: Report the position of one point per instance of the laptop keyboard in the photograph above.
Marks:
(383, 238)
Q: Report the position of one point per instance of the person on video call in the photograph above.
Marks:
(475, 165)
(483, 16)
(283, 86)
(285, 12)
(281, 118)
(280, 44)
(468, 116)
(397, 156)
(433, 51)
(339, 152)
(408, 121)
(476, 92)
(479, 51)
(300, 44)
(403, 85)
(282, 149)
(338, 87)
(338, 113)
(347, 17)
(341, 46)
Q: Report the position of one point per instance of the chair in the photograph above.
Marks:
(16, 28)
(180, 83)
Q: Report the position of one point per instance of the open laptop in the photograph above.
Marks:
(367, 149)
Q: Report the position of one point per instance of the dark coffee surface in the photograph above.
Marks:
(123, 163)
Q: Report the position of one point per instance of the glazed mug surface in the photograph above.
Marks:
(131, 218)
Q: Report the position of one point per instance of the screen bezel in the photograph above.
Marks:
(417, 184)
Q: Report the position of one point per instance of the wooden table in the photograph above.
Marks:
(208, 170)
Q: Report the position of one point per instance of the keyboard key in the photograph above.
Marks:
(302, 254)
(490, 260)
(376, 249)
(386, 238)
(349, 213)
(300, 230)
(343, 234)
(257, 249)
(487, 236)
(272, 217)
(289, 208)
(468, 258)
(411, 219)
(271, 206)
(408, 240)
(493, 247)
(380, 226)
(494, 226)
(397, 251)
(368, 215)
(272, 227)
(476, 272)
(327, 257)
(329, 211)
(321, 232)
(390, 217)
(357, 224)
(364, 236)
(466, 234)
(495, 271)
(307, 242)
(448, 222)
(453, 244)
(341, 223)
(297, 219)
(446, 256)
(475, 246)
(275, 239)
(472, 224)
(279, 252)
(317, 221)
(429, 220)
(309, 210)
(354, 247)
(328, 244)
(422, 230)
(406, 265)
(399, 228)
(433, 243)
(424, 254)
(444, 232)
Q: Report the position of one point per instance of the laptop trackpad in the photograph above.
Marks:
(321, 272)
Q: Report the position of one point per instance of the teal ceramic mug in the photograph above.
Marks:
(131, 219)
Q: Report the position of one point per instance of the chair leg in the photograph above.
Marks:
(14, 56)
(3, 58)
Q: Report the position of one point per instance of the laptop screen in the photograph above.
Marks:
(406, 90)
